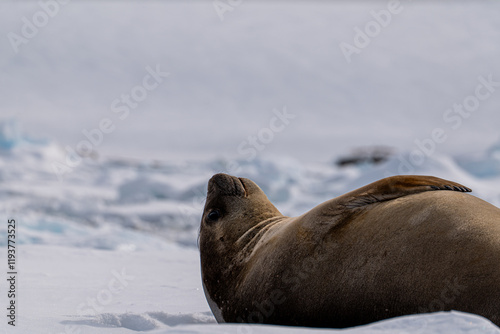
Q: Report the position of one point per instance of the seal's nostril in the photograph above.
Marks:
(239, 188)
(244, 186)
(226, 185)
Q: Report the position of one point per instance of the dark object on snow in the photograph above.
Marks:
(366, 155)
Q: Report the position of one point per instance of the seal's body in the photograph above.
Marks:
(398, 246)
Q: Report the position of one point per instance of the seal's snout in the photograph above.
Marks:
(226, 185)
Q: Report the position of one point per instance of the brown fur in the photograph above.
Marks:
(397, 246)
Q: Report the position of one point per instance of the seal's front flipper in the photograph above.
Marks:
(394, 187)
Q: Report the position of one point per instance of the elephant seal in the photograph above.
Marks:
(401, 245)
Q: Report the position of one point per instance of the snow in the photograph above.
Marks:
(122, 289)
(112, 247)
(76, 290)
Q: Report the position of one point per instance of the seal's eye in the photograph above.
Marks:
(213, 215)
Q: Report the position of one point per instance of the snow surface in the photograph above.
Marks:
(111, 247)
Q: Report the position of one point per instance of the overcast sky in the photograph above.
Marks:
(231, 69)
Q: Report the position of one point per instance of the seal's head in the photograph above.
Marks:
(233, 206)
